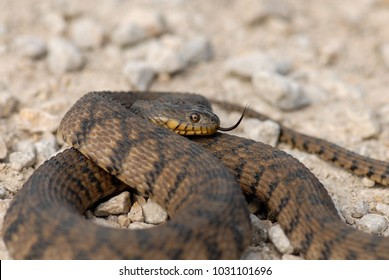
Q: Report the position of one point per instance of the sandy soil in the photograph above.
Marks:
(337, 51)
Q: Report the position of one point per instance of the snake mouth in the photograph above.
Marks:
(183, 128)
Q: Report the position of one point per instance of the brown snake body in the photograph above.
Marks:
(209, 219)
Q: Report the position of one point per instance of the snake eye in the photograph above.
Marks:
(195, 117)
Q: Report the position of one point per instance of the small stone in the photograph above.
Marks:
(198, 49)
(139, 73)
(136, 213)
(255, 11)
(267, 132)
(330, 52)
(382, 208)
(3, 148)
(260, 230)
(154, 213)
(359, 209)
(280, 240)
(291, 257)
(30, 46)
(138, 26)
(35, 120)
(373, 223)
(366, 182)
(7, 104)
(105, 223)
(3, 192)
(279, 91)
(384, 49)
(46, 147)
(87, 33)
(246, 65)
(138, 225)
(140, 199)
(64, 56)
(164, 56)
(123, 221)
(116, 205)
(55, 22)
(20, 160)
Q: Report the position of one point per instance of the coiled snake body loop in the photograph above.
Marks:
(209, 219)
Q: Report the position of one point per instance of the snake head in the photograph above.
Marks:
(178, 115)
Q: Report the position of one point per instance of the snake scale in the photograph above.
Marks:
(195, 179)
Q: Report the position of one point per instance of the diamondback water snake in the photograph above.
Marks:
(209, 218)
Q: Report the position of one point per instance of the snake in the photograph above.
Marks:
(201, 180)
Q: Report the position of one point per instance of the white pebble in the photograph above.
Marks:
(123, 221)
(3, 148)
(280, 240)
(7, 104)
(30, 46)
(267, 132)
(64, 56)
(56, 23)
(382, 208)
(259, 10)
(87, 33)
(46, 147)
(359, 209)
(139, 73)
(35, 120)
(368, 182)
(136, 213)
(138, 26)
(247, 64)
(196, 50)
(154, 213)
(279, 91)
(138, 225)
(373, 223)
(116, 205)
(21, 160)
(104, 222)
(165, 57)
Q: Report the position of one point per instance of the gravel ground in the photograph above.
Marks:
(320, 67)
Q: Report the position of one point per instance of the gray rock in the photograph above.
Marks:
(154, 213)
(46, 147)
(280, 91)
(382, 208)
(196, 50)
(280, 240)
(260, 230)
(64, 56)
(138, 225)
(139, 73)
(3, 192)
(30, 46)
(7, 104)
(359, 209)
(87, 33)
(373, 223)
(3, 148)
(136, 213)
(165, 57)
(246, 65)
(116, 205)
(123, 221)
(20, 160)
(138, 26)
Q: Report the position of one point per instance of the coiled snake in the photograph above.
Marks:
(193, 179)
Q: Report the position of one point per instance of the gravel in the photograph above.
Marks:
(373, 223)
(115, 205)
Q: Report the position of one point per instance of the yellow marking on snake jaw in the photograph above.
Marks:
(172, 124)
